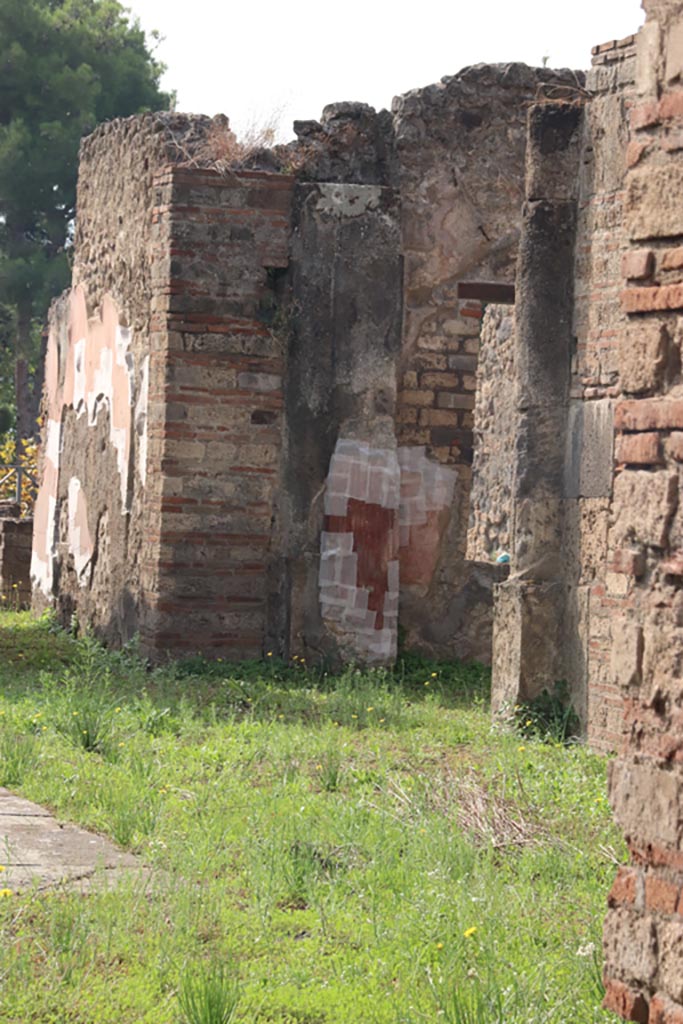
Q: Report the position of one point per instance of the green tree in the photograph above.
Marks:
(65, 65)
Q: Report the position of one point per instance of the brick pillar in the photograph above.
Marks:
(218, 369)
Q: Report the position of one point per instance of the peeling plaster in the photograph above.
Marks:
(346, 201)
(141, 419)
(94, 370)
(80, 541)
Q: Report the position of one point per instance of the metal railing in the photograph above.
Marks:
(21, 474)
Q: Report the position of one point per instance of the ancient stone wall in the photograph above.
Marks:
(561, 595)
(495, 427)
(599, 324)
(460, 158)
(644, 926)
(15, 561)
(226, 462)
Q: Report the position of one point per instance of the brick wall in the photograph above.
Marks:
(220, 425)
(644, 926)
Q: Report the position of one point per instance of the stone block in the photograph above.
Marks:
(673, 67)
(649, 210)
(644, 504)
(554, 132)
(526, 641)
(674, 446)
(670, 936)
(637, 264)
(627, 653)
(648, 58)
(643, 353)
(646, 801)
(630, 945)
(590, 439)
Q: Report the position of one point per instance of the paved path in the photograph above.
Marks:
(35, 849)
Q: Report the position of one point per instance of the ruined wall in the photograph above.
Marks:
(341, 496)
(15, 561)
(95, 542)
(90, 514)
(599, 324)
(495, 427)
(261, 388)
(460, 157)
(644, 927)
(552, 618)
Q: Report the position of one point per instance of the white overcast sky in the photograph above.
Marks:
(259, 60)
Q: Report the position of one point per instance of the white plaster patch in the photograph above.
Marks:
(44, 514)
(141, 419)
(370, 475)
(79, 539)
(426, 486)
(348, 200)
(359, 471)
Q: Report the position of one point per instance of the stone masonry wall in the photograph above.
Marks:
(15, 561)
(460, 157)
(643, 934)
(495, 425)
(563, 433)
(599, 324)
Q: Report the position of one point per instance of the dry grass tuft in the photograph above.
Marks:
(488, 818)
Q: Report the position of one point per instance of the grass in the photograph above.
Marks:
(359, 849)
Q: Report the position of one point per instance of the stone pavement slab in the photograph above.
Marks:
(38, 850)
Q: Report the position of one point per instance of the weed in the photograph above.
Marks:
(330, 768)
(18, 755)
(550, 716)
(208, 994)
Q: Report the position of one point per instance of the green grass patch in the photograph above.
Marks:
(358, 848)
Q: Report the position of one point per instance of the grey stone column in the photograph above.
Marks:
(530, 605)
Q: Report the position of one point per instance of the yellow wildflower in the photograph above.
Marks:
(469, 932)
